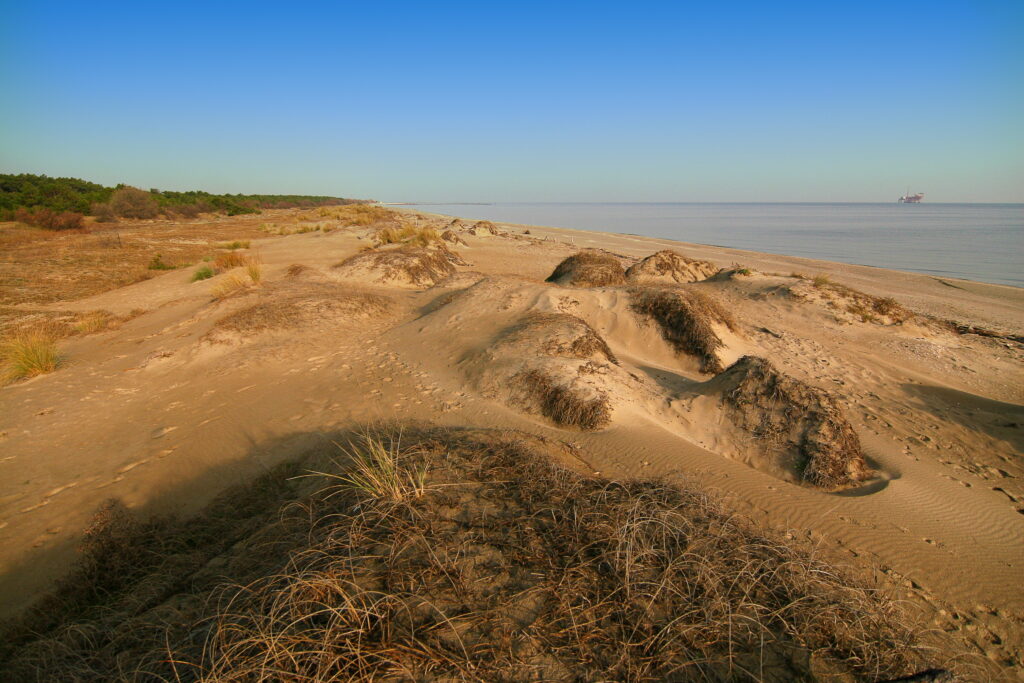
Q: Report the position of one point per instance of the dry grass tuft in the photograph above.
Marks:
(226, 260)
(237, 244)
(28, 354)
(821, 280)
(228, 286)
(589, 268)
(296, 269)
(254, 269)
(381, 469)
(502, 567)
(95, 321)
(686, 320)
(408, 234)
(561, 403)
(803, 426)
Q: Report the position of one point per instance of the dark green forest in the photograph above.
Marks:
(26, 194)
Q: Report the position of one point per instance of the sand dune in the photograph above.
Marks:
(498, 330)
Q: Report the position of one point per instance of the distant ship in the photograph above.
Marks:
(911, 198)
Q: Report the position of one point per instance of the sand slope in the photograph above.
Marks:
(185, 399)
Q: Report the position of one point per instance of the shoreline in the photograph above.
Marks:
(1010, 319)
(972, 242)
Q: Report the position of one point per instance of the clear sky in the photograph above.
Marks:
(491, 101)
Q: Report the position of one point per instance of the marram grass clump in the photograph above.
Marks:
(27, 354)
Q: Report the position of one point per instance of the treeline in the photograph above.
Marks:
(61, 203)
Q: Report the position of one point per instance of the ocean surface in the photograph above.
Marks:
(983, 242)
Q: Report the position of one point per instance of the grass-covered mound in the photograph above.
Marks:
(687, 320)
(801, 427)
(588, 268)
(670, 267)
(455, 556)
(402, 265)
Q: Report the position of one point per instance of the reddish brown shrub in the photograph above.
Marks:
(49, 219)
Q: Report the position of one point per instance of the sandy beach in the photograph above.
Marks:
(198, 393)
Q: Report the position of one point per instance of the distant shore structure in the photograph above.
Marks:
(911, 198)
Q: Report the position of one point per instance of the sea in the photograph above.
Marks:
(983, 242)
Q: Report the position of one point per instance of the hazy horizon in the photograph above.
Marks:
(580, 103)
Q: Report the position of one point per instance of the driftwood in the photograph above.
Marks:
(929, 676)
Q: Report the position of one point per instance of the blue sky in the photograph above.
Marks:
(522, 102)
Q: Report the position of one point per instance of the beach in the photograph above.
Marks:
(176, 404)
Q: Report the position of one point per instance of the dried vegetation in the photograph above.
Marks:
(669, 266)
(801, 426)
(686, 319)
(589, 268)
(560, 402)
(407, 265)
(501, 566)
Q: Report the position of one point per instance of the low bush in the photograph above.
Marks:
(48, 219)
(202, 273)
(131, 202)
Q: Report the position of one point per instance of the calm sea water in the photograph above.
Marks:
(982, 242)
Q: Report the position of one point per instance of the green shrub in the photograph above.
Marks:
(202, 273)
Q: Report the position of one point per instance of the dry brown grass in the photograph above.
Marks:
(505, 567)
(670, 266)
(408, 234)
(686, 319)
(803, 426)
(562, 404)
(59, 324)
(226, 260)
(589, 268)
(362, 215)
(229, 285)
(43, 266)
(28, 354)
